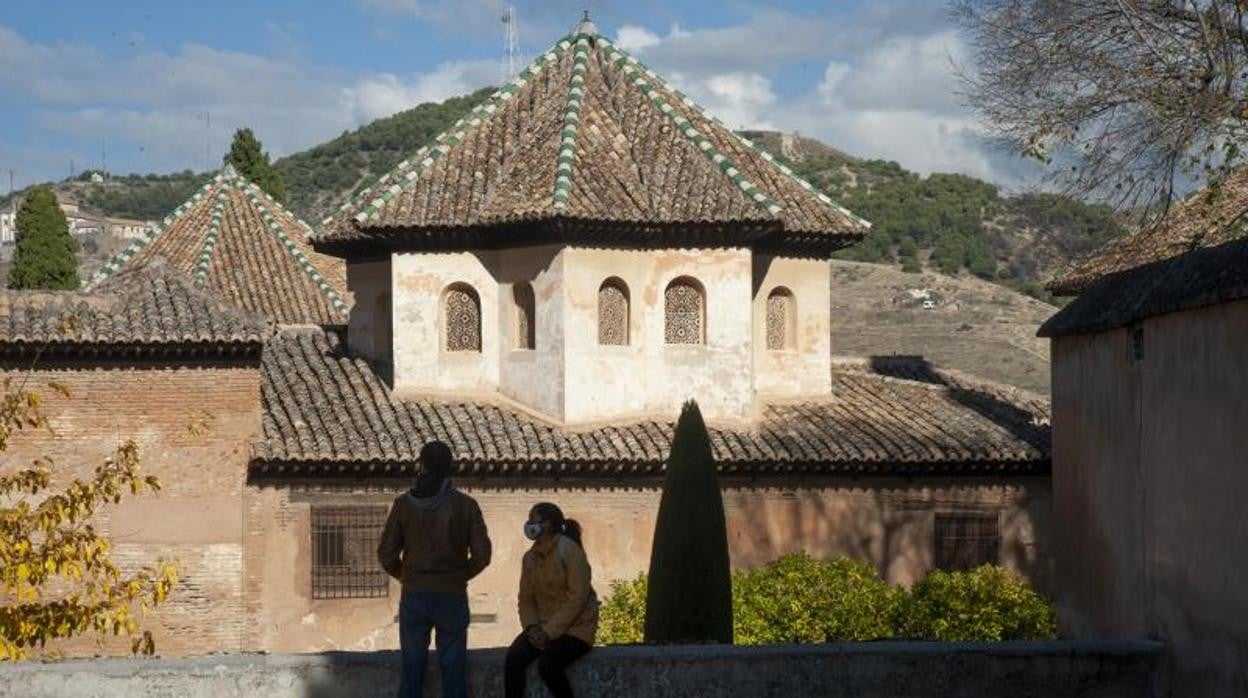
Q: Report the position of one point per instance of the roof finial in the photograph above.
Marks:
(586, 25)
(228, 171)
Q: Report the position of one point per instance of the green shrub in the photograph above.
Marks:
(989, 603)
(622, 618)
(798, 599)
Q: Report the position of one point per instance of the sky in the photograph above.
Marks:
(159, 86)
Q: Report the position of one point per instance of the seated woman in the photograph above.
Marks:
(558, 607)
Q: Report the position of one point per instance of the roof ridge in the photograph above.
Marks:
(210, 240)
(135, 247)
(255, 194)
(428, 154)
(571, 120)
(631, 65)
(689, 102)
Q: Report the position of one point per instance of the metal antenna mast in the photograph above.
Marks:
(511, 44)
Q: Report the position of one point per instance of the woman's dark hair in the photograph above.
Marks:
(558, 522)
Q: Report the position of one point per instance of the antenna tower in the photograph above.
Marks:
(511, 44)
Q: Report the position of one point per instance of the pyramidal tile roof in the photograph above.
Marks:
(234, 239)
(588, 138)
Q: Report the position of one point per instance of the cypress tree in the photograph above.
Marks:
(248, 157)
(46, 255)
(690, 591)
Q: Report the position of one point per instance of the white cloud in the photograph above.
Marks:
(150, 108)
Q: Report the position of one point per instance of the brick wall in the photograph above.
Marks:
(194, 426)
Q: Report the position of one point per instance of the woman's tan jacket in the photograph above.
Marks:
(556, 591)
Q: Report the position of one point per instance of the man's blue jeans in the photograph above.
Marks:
(419, 613)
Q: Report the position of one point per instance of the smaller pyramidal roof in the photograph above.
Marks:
(589, 141)
(238, 242)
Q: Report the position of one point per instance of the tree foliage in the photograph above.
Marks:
(46, 256)
(57, 577)
(143, 197)
(1124, 98)
(689, 598)
(248, 157)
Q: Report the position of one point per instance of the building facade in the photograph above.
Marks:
(1150, 395)
(541, 289)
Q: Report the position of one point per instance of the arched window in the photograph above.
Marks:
(383, 327)
(461, 313)
(781, 319)
(613, 312)
(526, 332)
(684, 312)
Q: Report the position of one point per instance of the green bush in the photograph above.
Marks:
(989, 603)
(800, 599)
(622, 618)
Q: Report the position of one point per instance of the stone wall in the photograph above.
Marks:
(866, 670)
(887, 522)
(193, 426)
(1149, 479)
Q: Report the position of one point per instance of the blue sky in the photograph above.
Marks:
(138, 77)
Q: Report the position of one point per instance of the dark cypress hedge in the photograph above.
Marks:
(690, 591)
(46, 255)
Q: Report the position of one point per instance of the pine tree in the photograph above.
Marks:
(46, 256)
(248, 157)
(690, 594)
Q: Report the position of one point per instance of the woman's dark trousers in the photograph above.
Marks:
(559, 654)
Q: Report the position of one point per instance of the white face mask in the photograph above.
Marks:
(532, 530)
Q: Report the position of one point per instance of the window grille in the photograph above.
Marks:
(683, 312)
(613, 313)
(344, 552)
(780, 319)
(966, 541)
(463, 319)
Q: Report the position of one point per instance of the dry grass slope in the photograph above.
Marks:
(975, 326)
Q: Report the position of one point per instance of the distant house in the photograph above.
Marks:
(128, 229)
(8, 228)
(1150, 441)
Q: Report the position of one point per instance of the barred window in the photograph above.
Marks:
(526, 316)
(344, 552)
(613, 312)
(683, 312)
(966, 541)
(781, 319)
(462, 318)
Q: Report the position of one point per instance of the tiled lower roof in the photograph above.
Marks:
(1202, 277)
(328, 414)
(150, 307)
(1207, 218)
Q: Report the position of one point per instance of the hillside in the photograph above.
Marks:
(972, 325)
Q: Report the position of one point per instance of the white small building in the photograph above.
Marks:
(128, 229)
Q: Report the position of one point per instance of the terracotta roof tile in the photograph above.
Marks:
(1205, 219)
(325, 408)
(586, 136)
(234, 239)
(1204, 276)
(149, 305)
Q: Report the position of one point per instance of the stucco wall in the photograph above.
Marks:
(193, 427)
(533, 377)
(650, 376)
(805, 368)
(420, 361)
(864, 670)
(886, 522)
(1149, 475)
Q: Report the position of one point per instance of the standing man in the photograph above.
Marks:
(434, 542)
